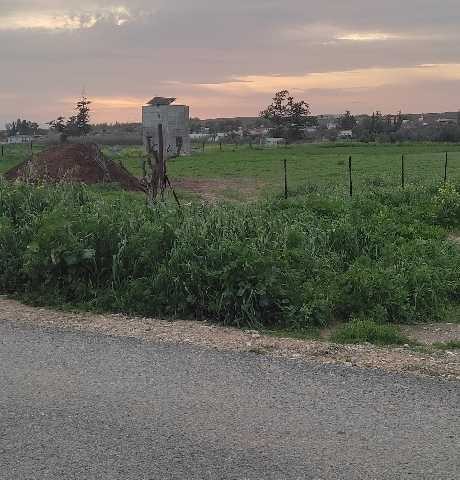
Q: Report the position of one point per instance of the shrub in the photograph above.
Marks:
(367, 331)
(446, 206)
(284, 264)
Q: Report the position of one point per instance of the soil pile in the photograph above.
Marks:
(74, 163)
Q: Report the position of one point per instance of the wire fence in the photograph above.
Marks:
(355, 174)
(303, 166)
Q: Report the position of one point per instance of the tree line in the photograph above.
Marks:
(76, 125)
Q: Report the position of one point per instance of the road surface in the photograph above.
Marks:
(83, 406)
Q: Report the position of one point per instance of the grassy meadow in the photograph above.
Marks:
(247, 173)
(387, 256)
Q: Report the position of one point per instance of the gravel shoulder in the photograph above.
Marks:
(402, 359)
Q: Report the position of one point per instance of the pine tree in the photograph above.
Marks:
(82, 118)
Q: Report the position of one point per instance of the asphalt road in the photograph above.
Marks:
(77, 406)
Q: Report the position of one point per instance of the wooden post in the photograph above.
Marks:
(161, 159)
(403, 172)
(285, 180)
(2, 151)
(220, 146)
(203, 146)
(350, 171)
(445, 168)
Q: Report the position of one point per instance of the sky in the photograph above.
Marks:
(227, 58)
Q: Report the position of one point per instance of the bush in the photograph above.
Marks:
(447, 205)
(303, 262)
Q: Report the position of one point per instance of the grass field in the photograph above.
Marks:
(317, 259)
(242, 172)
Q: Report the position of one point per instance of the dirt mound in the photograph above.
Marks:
(74, 163)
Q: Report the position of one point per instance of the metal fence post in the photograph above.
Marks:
(285, 180)
(403, 172)
(445, 168)
(350, 170)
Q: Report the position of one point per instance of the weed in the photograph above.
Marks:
(292, 265)
(451, 345)
(367, 331)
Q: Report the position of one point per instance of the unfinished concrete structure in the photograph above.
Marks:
(174, 120)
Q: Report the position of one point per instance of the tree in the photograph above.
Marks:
(77, 124)
(81, 120)
(347, 121)
(58, 125)
(21, 127)
(288, 116)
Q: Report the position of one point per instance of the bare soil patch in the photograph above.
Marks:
(431, 333)
(212, 189)
(439, 363)
(74, 163)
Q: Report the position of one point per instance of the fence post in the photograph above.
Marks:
(350, 170)
(285, 180)
(2, 151)
(445, 168)
(403, 172)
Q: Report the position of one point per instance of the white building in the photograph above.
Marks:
(200, 136)
(345, 134)
(20, 139)
(446, 121)
(271, 141)
(174, 120)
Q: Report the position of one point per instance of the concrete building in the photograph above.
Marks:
(345, 134)
(20, 139)
(273, 141)
(175, 123)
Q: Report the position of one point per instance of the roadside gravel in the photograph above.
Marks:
(402, 359)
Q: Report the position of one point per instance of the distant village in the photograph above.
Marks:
(441, 127)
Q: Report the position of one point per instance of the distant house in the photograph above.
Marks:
(345, 134)
(446, 121)
(20, 139)
(200, 136)
(331, 125)
(270, 141)
(259, 132)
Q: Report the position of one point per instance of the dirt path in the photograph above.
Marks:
(212, 190)
(439, 363)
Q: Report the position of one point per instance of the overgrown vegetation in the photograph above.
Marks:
(368, 331)
(313, 259)
(451, 345)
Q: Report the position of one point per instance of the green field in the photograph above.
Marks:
(242, 172)
(315, 260)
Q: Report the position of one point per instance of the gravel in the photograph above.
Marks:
(402, 359)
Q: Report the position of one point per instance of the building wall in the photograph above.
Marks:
(175, 121)
(20, 139)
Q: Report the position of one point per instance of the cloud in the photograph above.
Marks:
(351, 79)
(225, 58)
(65, 20)
(369, 37)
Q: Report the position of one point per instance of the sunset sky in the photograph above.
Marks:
(227, 58)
